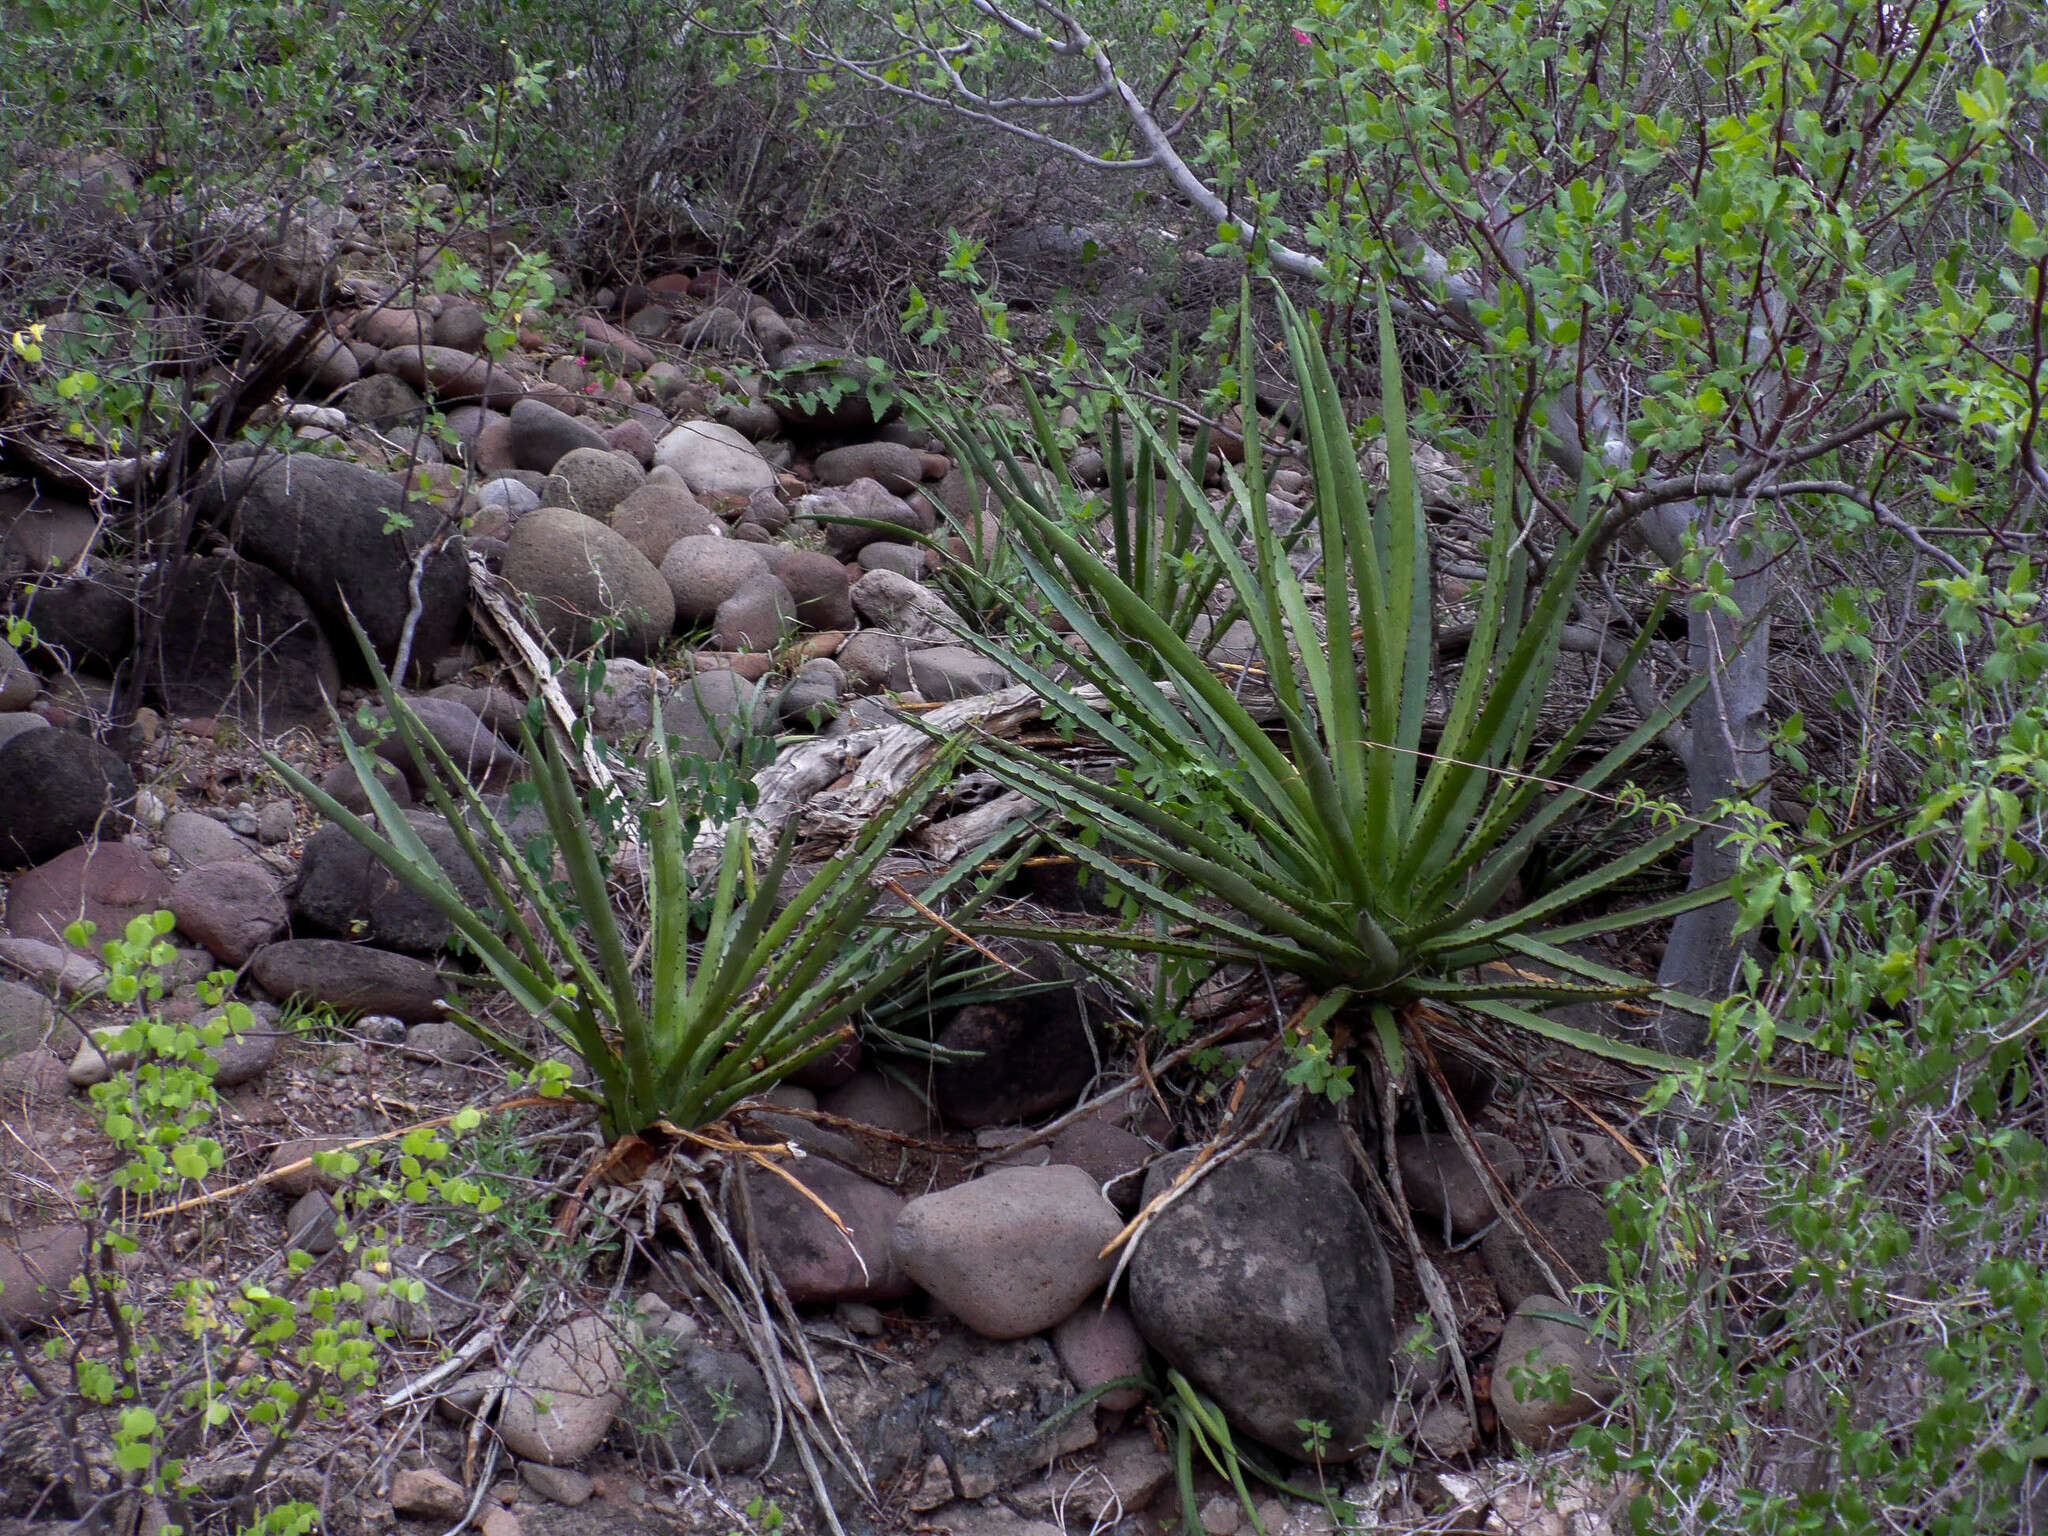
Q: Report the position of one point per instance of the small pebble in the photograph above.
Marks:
(275, 823)
(862, 1319)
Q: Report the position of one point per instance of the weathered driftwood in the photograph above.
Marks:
(949, 839)
(835, 786)
(489, 594)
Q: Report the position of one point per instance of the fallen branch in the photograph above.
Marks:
(837, 785)
(490, 595)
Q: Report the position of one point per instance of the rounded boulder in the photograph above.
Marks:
(702, 571)
(658, 514)
(1011, 1253)
(107, 885)
(57, 789)
(564, 1394)
(585, 579)
(714, 460)
(1267, 1286)
(599, 479)
(1550, 1374)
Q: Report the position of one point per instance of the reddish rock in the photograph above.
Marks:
(232, 908)
(37, 1266)
(1012, 1253)
(450, 375)
(818, 1263)
(1098, 1346)
(387, 328)
(602, 337)
(106, 885)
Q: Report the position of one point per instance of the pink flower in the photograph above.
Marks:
(1306, 41)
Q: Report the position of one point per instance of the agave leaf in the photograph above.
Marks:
(534, 988)
(1622, 1050)
(1526, 987)
(1521, 790)
(1237, 731)
(1567, 960)
(1580, 1039)
(1626, 917)
(1409, 619)
(669, 903)
(1293, 950)
(577, 850)
(1569, 894)
(1452, 787)
(1157, 835)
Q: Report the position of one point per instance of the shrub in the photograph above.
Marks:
(689, 1031)
(1346, 852)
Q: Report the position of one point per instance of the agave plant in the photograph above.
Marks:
(1149, 514)
(674, 1027)
(1342, 844)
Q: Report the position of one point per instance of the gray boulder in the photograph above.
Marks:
(904, 559)
(18, 685)
(895, 467)
(879, 517)
(818, 584)
(451, 376)
(815, 1262)
(1012, 1252)
(1267, 1286)
(1444, 1190)
(727, 1418)
(343, 891)
(1550, 1374)
(477, 751)
(57, 789)
(599, 479)
(714, 460)
(107, 884)
(825, 390)
(1022, 1056)
(346, 538)
(241, 640)
(874, 662)
(541, 435)
(349, 978)
(381, 400)
(232, 908)
(955, 672)
(89, 621)
(654, 517)
(811, 697)
(755, 618)
(583, 579)
(37, 1266)
(1571, 1224)
(899, 606)
(26, 1017)
(702, 571)
(565, 1393)
(710, 712)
